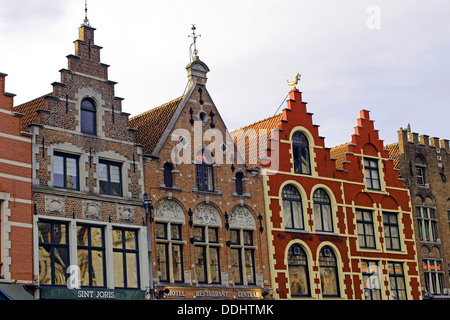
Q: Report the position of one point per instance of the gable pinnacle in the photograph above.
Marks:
(86, 20)
(194, 37)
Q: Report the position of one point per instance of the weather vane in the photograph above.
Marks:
(194, 36)
(86, 21)
(295, 82)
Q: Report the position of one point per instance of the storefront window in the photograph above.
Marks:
(397, 281)
(169, 250)
(126, 259)
(329, 278)
(53, 253)
(298, 272)
(371, 280)
(91, 255)
(242, 256)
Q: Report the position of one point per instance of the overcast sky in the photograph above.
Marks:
(389, 57)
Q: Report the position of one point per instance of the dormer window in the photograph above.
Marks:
(88, 116)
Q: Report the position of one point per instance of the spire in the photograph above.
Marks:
(194, 37)
(86, 20)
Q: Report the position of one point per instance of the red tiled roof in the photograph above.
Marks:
(29, 109)
(251, 149)
(338, 153)
(394, 153)
(152, 124)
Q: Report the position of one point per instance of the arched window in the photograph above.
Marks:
(329, 277)
(168, 181)
(204, 171)
(322, 211)
(298, 271)
(301, 153)
(88, 116)
(239, 184)
(292, 207)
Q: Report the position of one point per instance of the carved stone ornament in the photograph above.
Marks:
(91, 209)
(206, 214)
(241, 217)
(169, 211)
(125, 213)
(54, 205)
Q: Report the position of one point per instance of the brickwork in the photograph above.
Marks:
(345, 183)
(54, 121)
(429, 188)
(15, 195)
(223, 199)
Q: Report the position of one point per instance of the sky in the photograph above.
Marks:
(388, 57)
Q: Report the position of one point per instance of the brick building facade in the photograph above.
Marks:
(90, 238)
(208, 226)
(16, 221)
(339, 222)
(423, 164)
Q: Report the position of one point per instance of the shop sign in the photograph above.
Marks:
(91, 294)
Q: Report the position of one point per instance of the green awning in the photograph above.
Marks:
(14, 292)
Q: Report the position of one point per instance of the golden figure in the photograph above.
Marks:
(294, 83)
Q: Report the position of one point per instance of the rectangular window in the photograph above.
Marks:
(427, 223)
(110, 178)
(365, 229)
(371, 280)
(126, 258)
(397, 281)
(372, 174)
(65, 171)
(91, 255)
(53, 253)
(420, 173)
(391, 231)
(207, 254)
(434, 275)
(204, 177)
(169, 249)
(243, 260)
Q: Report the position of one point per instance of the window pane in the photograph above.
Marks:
(82, 235)
(72, 168)
(130, 239)
(161, 256)
(116, 188)
(199, 234)
(83, 264)
(214, 264)
(213, 235)
(326, 216)
(119, 280)
(305, 161)
(297, 213)
(87, 121)
(132, 270)
(287, 213)
(328, 279)
(117, 239)
(61, 259)
(177, 262)
(248, 237)
(176, 232)
(97, 268)
(96, 237)
(200, 263)
(236, 267)
(249, 266)
(58, 171)
(234, 236)
(160, 230)
(317, 217)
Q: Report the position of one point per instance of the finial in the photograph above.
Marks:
(295, 82)
(86, 20)
(194, 36)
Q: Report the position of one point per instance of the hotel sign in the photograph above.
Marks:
(208, 294)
